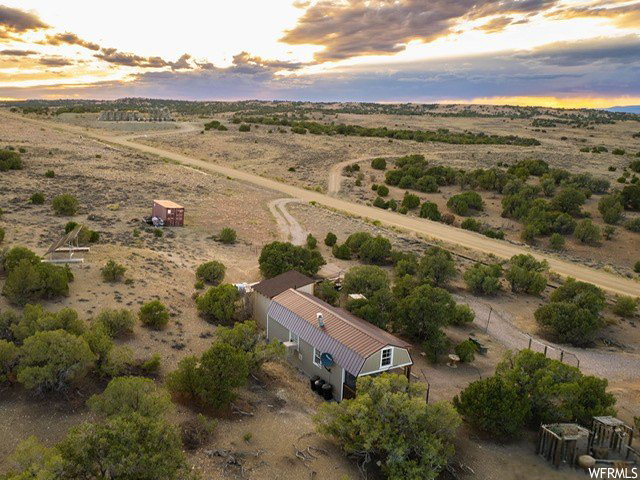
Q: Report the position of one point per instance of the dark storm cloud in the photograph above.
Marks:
(379, 27)
(17, 53)
(56, 61)
(18, 21)
(598, 50)
(71, 39)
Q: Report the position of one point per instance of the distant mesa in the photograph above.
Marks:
(153, 115)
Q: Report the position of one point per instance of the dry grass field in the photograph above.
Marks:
(116, 188)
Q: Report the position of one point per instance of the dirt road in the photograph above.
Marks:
(434, 230)
(288, 225)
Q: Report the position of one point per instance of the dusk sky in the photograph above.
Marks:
(567, 53)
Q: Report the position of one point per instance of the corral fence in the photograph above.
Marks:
(552, 352)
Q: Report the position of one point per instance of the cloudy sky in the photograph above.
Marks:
(531, 52)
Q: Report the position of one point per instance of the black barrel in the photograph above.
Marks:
(327, 390)
(319, 383)
(313, 380)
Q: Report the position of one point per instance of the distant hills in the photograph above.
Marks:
(628, 109)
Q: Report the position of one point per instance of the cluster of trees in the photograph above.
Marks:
(29, 279)
(51, 351)
(131, 438)
(441, 135)
(416, 305)
(367, 248)
(279, 257)
(212, 380)
(389, 423)
(529, 389)
(413, 172)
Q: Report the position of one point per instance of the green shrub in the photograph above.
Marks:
(131, 395)
(8, 360)
(326, 291)
(53, 360)
(630, 197)
(618, 151)
(366, 280)
(2, 234)
(211, 382)
(279, 257)
(116, 322)
(50, 174)
(395, 427)
(471, 224)
(525, 274)
(312, 242)
(158, 233)
(379, 163)
(625, 306)
(568, 200)
(494, 406)
(330, 240)
(466, 351)
(587, 232)
(112, 271)
(211, 272)
(380, 203)
(382, 190)
(37, 319)
(65, 204)
(341, 252)
(37, 198)
(15, 255)
(436, 267)
(228, 236)
(219, 302)
(430, 211)
(375, 250)
(573, 314)
(410, 201)
(9, 160)
(633, 225)
(483, 279)
(610, 207)
(556, 241)
(244, 127)
(154, 315)
(465, 203)
(28, 282)
(636, 267)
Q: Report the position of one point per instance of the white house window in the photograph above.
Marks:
(316, 357)
(387, 357)
(294, 338)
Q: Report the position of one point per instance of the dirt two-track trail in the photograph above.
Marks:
(438, 231)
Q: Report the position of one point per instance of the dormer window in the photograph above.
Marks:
(386, 359)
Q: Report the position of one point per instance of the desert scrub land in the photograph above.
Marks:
(115, 188)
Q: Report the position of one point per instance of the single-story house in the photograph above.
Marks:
(264, 291)
(332, 343)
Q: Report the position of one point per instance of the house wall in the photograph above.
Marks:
(372, 364)
(306, 289)
(332, 376)
(260, 309)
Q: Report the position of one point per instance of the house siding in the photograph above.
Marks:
(332, 376)
(372, 364)
(260, 308)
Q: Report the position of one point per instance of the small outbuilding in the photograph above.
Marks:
(171, 214)
(264, 291)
